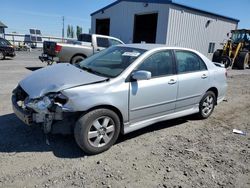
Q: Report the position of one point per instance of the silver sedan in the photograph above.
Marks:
(119, 90)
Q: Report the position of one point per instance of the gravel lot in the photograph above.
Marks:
(185, 152)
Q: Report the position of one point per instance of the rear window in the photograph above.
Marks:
(85, 38)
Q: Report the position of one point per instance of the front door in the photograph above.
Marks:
(157, 96)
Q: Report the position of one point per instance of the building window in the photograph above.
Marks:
(211, 47)
(1, 30)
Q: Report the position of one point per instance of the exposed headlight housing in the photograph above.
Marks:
(40, 105)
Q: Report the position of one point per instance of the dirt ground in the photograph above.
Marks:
(184, 152)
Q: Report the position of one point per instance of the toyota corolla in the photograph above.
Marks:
(119, 90)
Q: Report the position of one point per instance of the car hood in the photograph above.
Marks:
(56, 78)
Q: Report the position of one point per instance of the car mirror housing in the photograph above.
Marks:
(141, 75)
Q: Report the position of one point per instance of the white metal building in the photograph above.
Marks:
(2, 29)
(164, 22)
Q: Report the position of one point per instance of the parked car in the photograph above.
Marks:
(75, 51)
(6, 49)
(119, 90)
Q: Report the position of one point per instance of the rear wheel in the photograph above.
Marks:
(207, 105)
(217, 56)
(97, 131)
(77, 59)
(2, 56)
(242, 60)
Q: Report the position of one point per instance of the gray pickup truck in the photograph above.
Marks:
(75, 51)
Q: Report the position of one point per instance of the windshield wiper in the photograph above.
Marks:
(88, 69)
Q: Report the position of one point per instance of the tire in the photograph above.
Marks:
(77, 59)
(2, 56)
(217, 56)
(91, 133)
(207, 105)
(226, 61)
(242, 60)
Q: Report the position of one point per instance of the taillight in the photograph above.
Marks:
(58, 48)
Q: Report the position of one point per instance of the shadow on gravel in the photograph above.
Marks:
(16, 137)
(154, 127)
(7, 59)
(33, 68)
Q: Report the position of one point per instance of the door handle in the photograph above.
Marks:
(204, 76)
(172, 81)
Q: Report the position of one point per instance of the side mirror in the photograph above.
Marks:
(141, 75)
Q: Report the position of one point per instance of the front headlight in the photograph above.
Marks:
(40, 105)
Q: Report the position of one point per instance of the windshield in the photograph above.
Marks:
(4, 42)
(239, 36)
(112, 61)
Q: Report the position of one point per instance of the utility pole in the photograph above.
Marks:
(62, 27)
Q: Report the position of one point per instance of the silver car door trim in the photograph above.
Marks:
(152, 105)
(141, 124)
(163, 103)
(184, 98)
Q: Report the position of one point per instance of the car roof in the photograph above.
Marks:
(149, 47)
(143, 46)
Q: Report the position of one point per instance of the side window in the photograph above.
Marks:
(102, 42)
(189, 62)
(113, 42)
(85, 37)
(159, 64)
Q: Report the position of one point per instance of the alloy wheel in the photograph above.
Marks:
(208, 105)
(101, 131)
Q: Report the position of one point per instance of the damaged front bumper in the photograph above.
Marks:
(22, 114)
(51, 121)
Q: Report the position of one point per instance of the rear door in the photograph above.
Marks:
(157, 96)
(193, 78)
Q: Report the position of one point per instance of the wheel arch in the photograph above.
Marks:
(78, 54)
(109, 107)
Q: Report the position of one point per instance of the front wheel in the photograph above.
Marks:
(242, 60)
(2, 56)
(207, 105)
(97, 131)
(226, 61)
